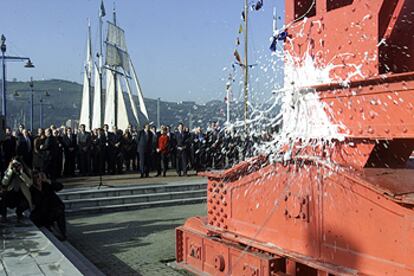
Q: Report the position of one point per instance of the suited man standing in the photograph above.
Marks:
(28, 156)
(84, 144)
(109, 149)
(182, 138)
(51, 155)
(8, 147)
(70, 148)
(144, 149)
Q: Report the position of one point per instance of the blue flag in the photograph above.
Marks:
(102, 12)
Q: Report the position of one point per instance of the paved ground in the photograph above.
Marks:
(133, 242)
(125, 179)
(25, 250)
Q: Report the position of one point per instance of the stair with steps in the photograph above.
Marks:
(92, 200)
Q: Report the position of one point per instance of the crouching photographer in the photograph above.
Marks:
(15, 189)
(48, 207)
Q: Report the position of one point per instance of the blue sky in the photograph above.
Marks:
(179, 48)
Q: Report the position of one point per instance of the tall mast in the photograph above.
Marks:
(90, 68)
(115, 80)
(228, 96)
(114, 14)
(246, 64)
(100, 71)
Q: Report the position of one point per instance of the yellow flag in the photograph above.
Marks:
(237, 56)
(240, 29)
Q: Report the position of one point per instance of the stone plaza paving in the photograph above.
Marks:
(25, 250)
(139, 242)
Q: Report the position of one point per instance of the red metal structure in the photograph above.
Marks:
(353, 214)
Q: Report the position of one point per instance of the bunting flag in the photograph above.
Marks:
(258, 5)
(273, 45)
(243, 16)
(282, 36)
(102, 12)
(237, 42)
(237, 56)
(279, 37)
(240, 29)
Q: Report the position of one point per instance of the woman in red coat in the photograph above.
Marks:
(162, 150)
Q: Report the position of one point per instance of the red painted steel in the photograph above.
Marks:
(346, 207)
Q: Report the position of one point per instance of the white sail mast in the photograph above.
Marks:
(142, 107)
(110, 99)
(97, 112)
(85, 115)
(131, 99)
(123, 120)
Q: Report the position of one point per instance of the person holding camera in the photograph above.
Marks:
(15, 189)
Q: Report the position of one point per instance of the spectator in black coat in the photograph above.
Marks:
(84, 145)
(144, 148)
(51, 154)
(8, 147)
(182, 139)
(119, 157)
(109, 149)
(38, 153)
(70, 149)
(172, 147)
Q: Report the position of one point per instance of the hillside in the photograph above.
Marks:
(63, 104)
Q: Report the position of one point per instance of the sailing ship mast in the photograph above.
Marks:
(98, 107)
(85, 114)
(117, 70)
(246, 64)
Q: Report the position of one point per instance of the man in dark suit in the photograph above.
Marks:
(182, 138)
(9, 147)
(51, 155)
(109, 150)
(144, 148)
(70, 149)
(84, 144)
(28, 153)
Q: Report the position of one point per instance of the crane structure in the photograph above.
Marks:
(342, 207)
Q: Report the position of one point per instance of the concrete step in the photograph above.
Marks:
(131, 199)
(133, 206)
(87, 193)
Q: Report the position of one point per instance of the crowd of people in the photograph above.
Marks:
(66, 152)
(31, 163)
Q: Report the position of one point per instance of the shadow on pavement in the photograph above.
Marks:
(106, 244)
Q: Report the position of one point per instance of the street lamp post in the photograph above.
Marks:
(31, 103)
(42, 104)
(32, 91)
(5, 58)
(41, 113)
